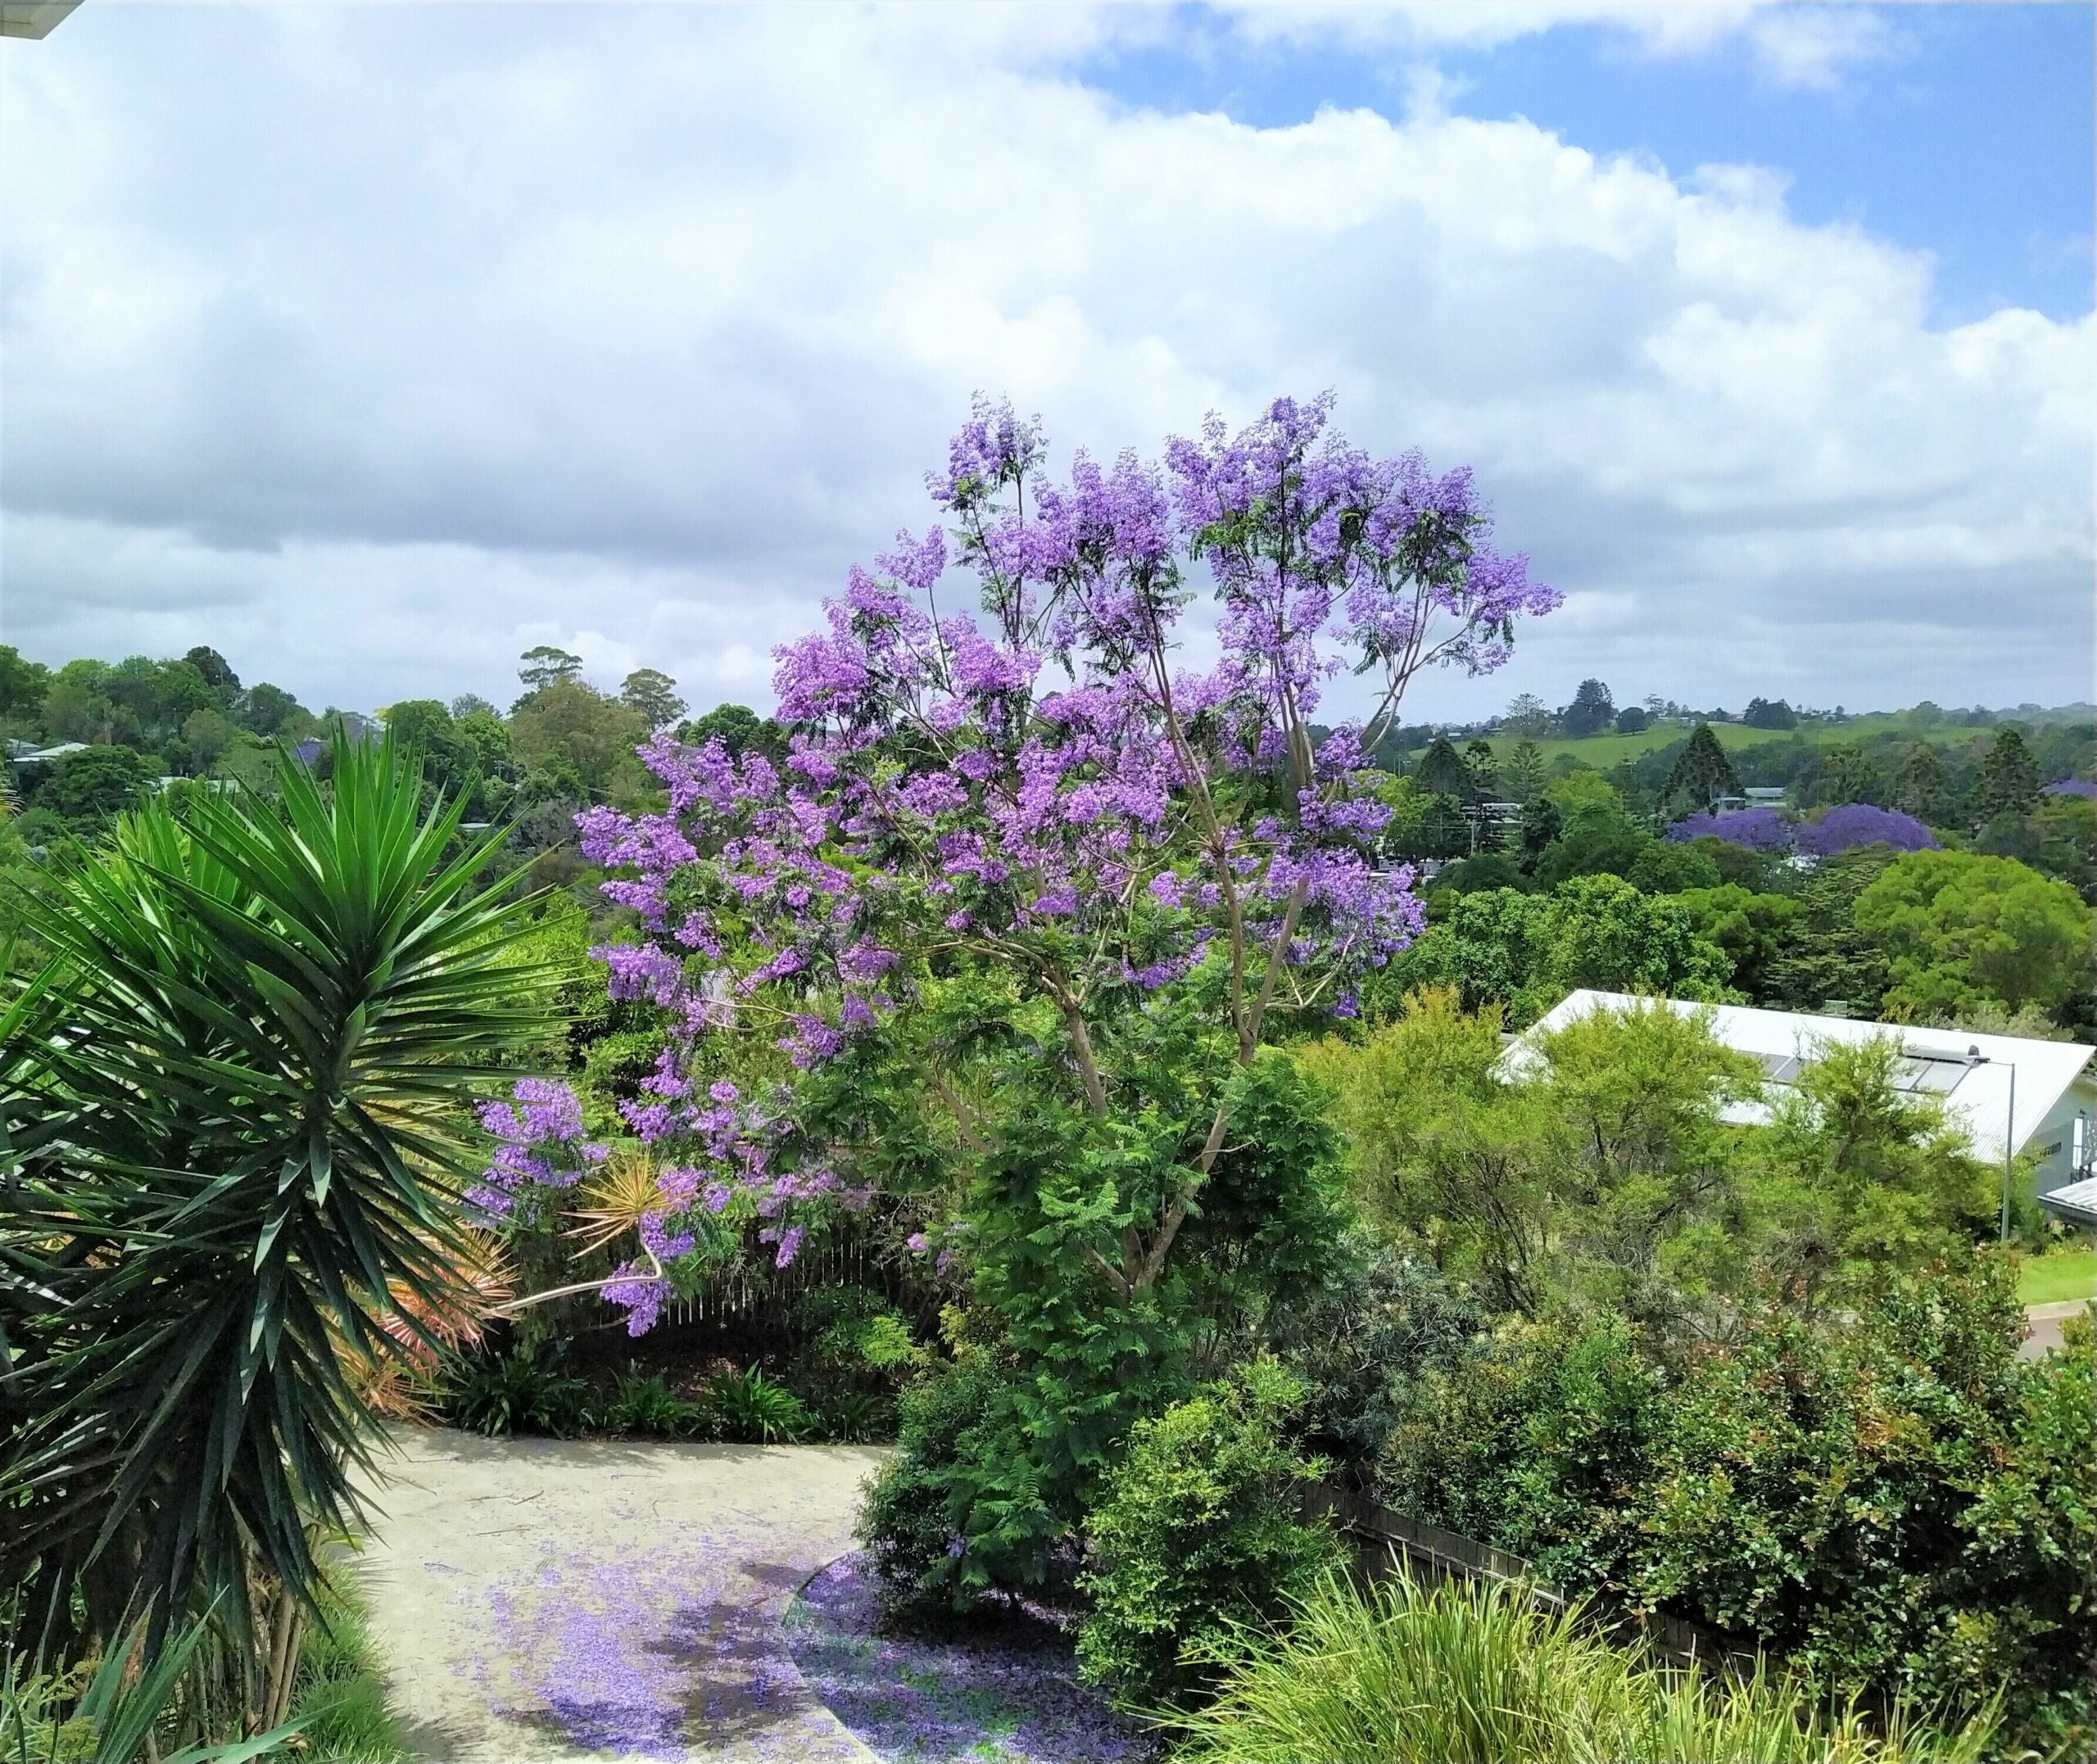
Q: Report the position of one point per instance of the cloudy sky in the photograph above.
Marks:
(373, 344)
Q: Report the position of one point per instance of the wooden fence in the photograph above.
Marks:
(1383, 1538)
(756, 1294)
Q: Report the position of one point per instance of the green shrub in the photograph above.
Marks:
(526, 1391)
(917, 1518)
(857, 1354)
(1202, 1529)
(647, 1406)
(1894, 1501)
(748, 1407)
(338, 1693)
(1377, 1324)
(855, 1417)
(1465, 1671)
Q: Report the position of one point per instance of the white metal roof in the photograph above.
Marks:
(1944, 1063)
(2077, 1202)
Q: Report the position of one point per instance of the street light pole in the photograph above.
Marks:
(1974, 1057)
(2009, 1150)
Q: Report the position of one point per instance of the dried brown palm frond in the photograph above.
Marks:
(615, 1197)
(394, 1382)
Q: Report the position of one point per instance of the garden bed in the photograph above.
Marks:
(1005, 1692)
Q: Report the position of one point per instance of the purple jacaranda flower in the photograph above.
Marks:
(1855, 824)
(1046, 781)
(1755, 830)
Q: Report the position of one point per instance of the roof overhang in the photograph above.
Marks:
(2076, 1203)
(33, 18)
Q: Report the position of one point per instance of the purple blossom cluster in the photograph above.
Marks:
(2082, 787)
(1770, 830)
(539, 1146)
(1860, 824)
(1046, 786)
(1755, 830)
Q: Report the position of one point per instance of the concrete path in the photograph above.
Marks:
(543, 1600)
(2044, 1322)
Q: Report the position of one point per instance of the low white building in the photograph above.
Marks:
(2011, 1093)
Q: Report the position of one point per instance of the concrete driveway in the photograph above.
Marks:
(546, 1599)
(2044, 1322)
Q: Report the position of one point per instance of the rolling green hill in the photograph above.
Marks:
(1603, 751)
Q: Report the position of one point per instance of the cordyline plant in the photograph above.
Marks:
(1031, 867)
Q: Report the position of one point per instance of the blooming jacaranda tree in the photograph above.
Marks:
(1049, 797)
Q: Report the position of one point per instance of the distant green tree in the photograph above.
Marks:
(1923, 787)
(1483, 768)
(207, 733)
(1763, 713)
(1632, 720)
(1848, 774)
(425, 728)
(1669, 866)
(1599, 931)
(597, 735)
(1751, 928)
(2010, 776)
(1597, 839)
(268, 710)
(1960, 929)
(1523, 777)
(77, 706)
(1541, 823)
(739, 729)
(92, 788)
(1702, 773)
(1591, 712)
(1441, 770)
(1758, 872)
(1487, 869)
(214, 670)
(1825, 960)
(1528, 951)
(23, 684)
(653, 695)
(488, 734)
(1528, 714)
(543, 665)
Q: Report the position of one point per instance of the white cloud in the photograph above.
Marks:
(1813, 47)
(435, 329)
(1794, 45)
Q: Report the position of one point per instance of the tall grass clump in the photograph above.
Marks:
(338, 1698)
(1403, 1674)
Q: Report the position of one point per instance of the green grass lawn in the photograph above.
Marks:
(2064, 1274)
(1603, 751)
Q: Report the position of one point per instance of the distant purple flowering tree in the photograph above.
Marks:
(1755, 830)
(2082, 787)
(1046, 794)
(1855, 824)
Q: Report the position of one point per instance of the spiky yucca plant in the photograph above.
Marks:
(236, 1119)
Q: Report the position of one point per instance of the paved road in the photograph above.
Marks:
(542, 1599)
(2044, 1322)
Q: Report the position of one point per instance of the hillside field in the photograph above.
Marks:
(1603, 751)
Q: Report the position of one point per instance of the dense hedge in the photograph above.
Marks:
(1897, 1503)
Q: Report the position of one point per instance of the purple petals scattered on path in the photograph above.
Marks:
(667, 1657)
(1006, 1695)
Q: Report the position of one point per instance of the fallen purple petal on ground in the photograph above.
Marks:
(1008, 1694)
